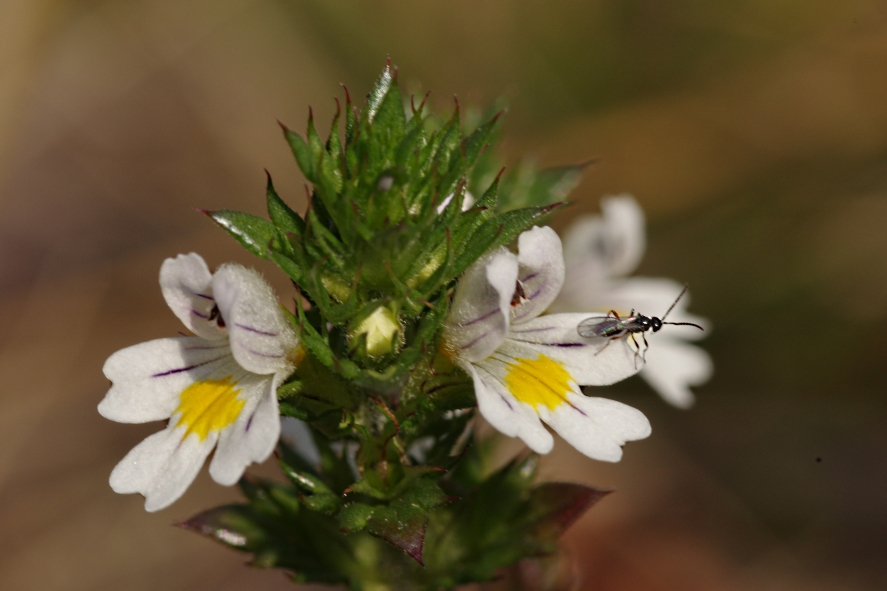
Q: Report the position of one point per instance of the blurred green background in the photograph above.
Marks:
(753, 132)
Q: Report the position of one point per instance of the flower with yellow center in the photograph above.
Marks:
(218, 389)
(529, 368)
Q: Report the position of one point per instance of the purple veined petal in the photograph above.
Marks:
(253, 436)
(479, 317)
(186, 283)
(591, 361)
(598, 427)
(255, 330)
(541, 274)
(261, 338)
(595, 426)
(147, 378)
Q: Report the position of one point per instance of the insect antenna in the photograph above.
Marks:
(674, 303)
(684, 324)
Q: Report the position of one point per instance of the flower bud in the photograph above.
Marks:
(381, 329)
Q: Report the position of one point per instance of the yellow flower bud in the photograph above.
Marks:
(381, 328)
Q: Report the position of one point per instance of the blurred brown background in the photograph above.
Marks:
(754, 132)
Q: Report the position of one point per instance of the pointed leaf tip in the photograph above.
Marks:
(555, 506)
(405, 535)
(231, 525)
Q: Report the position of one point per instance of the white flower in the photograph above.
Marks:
(599, 252)
(218, 389)
(528, 367)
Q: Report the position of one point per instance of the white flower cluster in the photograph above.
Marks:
(218, 389)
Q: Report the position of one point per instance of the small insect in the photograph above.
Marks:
(614, 327)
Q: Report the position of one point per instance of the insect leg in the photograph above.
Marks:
(605, 346)
(637, 348)
(646, 346)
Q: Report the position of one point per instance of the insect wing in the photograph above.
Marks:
(600, 327)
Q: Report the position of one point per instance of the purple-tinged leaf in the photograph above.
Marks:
(555, 506)
(232, 525)
(402, 527)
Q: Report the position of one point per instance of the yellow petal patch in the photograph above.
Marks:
(538, 382)
(210, 405)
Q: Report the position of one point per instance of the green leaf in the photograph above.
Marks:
(477, 141)
(289, 266)
(304, 157)
(528, 186)
(401, 526)
(354, 517)
(498, 231)
(289, 390)
(254, 233)
(326, 504)
(379, 92)
(286, 220)
(307, 482)
(236, 526)
(350, 120)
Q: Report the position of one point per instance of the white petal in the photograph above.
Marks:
(672, 367)
(148, 378)
(584, 240)
(541, 273)
(479, 317)
(262, 339)
(587, 265)
(298, 437)
(179, 472)
(506, 414)
(597, 427)
(599, 248)
(590, 361)
(162, 466)
(625, 233)
(252, 437)
(138, 469)
(186, 284)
